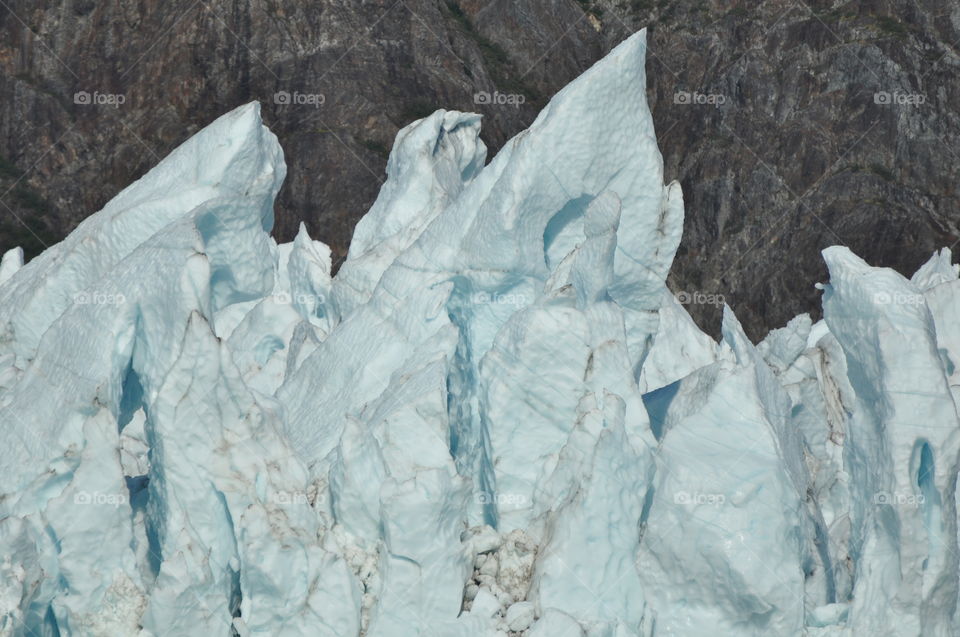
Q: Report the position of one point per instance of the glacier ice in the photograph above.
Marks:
(494, 419)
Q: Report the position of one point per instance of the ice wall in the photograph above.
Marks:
(496, 419)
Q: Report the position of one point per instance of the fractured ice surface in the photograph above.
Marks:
(495, 419)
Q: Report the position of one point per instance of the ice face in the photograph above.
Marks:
(494, 419)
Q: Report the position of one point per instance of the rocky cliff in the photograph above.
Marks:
(790, 125)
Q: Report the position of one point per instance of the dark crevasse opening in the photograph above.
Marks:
(131, 397)
(38, 621)
(657, 403)
(821, 541)
(139, 503)
(926, 484)
(137, 486)
(50, 626)
(236, 597)
(464, 441)
(925, 474)
(236, 593)
(645, 511)
(132, 401)
(469, 440)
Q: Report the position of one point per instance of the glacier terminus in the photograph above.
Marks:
(495, 419)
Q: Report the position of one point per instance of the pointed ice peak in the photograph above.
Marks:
(234, 157)
(478, 362)
(12, 261)
(781, 347)
(841, 257)
(939, 269)
(235, 154)
(302, 235)
(431, 161)
(733, 335)
(867, 292)
(308, 270)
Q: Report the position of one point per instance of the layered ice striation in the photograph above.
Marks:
(494, 419)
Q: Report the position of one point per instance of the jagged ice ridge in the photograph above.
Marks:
(494, 420)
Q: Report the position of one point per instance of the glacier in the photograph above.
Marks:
(494, 419)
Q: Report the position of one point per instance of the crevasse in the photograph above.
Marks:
(495, 419)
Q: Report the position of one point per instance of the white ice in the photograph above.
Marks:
(494, 419)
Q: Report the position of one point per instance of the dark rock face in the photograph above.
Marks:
(830, 126)
(791, 126)
(337, 80)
